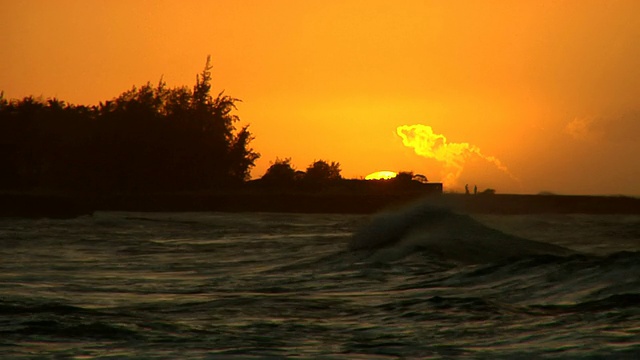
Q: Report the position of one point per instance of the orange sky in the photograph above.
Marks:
(550, 89)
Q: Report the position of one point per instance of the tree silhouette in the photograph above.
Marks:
(280, 173)
(403, 177)
(322, 171)
(420, 178)
(151, 138)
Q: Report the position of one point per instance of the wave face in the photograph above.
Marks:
(446, 235)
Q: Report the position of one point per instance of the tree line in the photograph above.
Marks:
(148, 139)
(282, 174)
(322, 175)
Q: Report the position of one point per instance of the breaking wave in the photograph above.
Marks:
(446, 235)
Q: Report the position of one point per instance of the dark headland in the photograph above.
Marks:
(68, 206)
(155, 148)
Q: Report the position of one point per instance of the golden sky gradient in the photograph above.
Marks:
(549, 89)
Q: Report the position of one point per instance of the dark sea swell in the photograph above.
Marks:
(430, 284)
(445, 234)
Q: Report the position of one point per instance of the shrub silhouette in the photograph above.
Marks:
(488, 192)
(322, 171)
(403, 177)
(280, 173)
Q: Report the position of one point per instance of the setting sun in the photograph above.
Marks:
(381, 175)
(521, 96)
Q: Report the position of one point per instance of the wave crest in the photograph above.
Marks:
(446, 235)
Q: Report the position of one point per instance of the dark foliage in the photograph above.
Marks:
(148, 139)
(322, 171)
(403, 177)
(280, 173)
(320, 175)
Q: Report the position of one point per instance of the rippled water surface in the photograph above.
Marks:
(218, 285)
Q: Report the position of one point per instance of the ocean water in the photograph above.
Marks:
(414, 283)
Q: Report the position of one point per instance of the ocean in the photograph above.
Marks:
(418, 282)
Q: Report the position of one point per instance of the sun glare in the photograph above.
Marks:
(381, 175)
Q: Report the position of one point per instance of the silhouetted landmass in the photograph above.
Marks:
(331, 196)
(359, 202)
(511, 204)
(155, 148)
(148, 139)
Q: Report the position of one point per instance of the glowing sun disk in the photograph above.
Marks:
(381, 175)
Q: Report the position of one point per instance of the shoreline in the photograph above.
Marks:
(69, 206)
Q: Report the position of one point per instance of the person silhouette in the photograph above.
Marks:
(466, 189)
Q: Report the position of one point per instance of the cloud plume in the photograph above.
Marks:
(434, 146)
